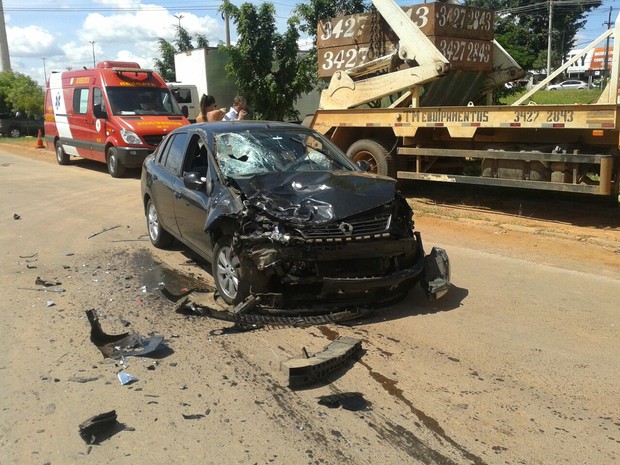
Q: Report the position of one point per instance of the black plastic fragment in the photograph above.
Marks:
(43, 282)
(121, 345)
(310, 370)
(353, 401)
(100, 427)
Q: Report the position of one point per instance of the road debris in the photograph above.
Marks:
(310, 370)
(117, 346)
(100, 427)
(252, 314)
(126, 378)
(104, 230)
(29, 256)
(16, 216)
(43, 282)
(80, 379)
(353, 401)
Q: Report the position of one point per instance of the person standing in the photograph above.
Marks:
(238, 110)
(208, 110)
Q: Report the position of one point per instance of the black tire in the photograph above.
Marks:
(15, 132)
(61, 156)
(375, 153)
(158, 236)
(115, 167)
(227, 273)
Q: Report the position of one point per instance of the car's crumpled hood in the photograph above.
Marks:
(316, 197)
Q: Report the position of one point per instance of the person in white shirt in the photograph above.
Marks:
(238, 110)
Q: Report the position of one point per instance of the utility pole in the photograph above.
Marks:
(549, 38)
(179, 17)
(605, 72)
(227, 23)
(92, 43)
(5, 59)
(44, 70)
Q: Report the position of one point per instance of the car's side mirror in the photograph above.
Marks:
(193, 181)
(363, 165)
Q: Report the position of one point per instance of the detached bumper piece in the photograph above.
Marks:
(99, 427)
(436, 280)
(117, 346)
(310, 370)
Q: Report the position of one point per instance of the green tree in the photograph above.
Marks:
(522, 27)
(182, 42)
(20, 93)
(266, 65)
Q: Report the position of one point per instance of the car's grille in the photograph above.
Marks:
(354, 229)
(153, 139)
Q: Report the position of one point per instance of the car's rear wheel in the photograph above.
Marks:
(158, 236)
(15, 132)
(227, 272)
(61, 156)
(115, 167)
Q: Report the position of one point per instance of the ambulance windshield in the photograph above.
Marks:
(127, 101)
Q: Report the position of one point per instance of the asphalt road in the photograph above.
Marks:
(518, 364)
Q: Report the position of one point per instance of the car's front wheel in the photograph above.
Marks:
(15, 132)
(158, 236)
(227, 272)
(61, 156)
(115, 167)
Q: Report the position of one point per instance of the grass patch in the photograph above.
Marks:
(557, 97)
(17, 140)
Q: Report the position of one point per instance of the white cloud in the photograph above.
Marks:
(31, 41)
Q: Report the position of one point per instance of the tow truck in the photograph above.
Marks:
(410, 92)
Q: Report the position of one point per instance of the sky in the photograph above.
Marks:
(45, 36)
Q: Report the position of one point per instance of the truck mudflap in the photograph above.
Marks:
(436, 277)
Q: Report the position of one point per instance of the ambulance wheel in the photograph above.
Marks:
(61, 156)
(375, 154)
(115, 167)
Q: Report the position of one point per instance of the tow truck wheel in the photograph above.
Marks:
(226, 271)
(375, 154)
(61, 156)
(115, 167)
(158, 236)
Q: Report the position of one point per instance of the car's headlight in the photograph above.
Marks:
(130, 137)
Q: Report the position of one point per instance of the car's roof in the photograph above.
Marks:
(242, 126)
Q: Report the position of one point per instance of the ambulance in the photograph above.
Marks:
(116, 113)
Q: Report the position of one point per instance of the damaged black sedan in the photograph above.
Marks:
(284, 215)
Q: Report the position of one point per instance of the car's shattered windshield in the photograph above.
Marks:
(144, 101)
(249, 153)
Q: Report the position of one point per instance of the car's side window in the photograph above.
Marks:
(175, 153)
(196, 159)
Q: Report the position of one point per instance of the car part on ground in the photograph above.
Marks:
(99, 427)
(121, 345)
(307, 370)
(353, 401)
(250, 314)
